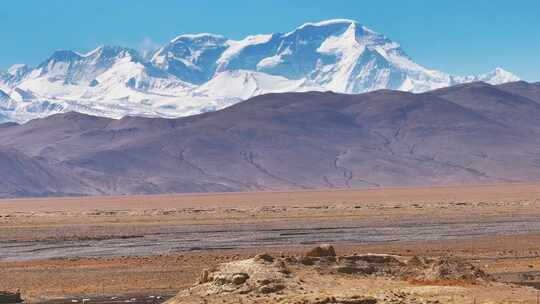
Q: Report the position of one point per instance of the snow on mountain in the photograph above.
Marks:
(109, 81)
(73, 68)
(6, 103)
(242, 84)
(19, 70)
(192, 58)
(497, 76)
(338, 55)
(12, 76)
(204, 72)
(237, 46)
(4, 80)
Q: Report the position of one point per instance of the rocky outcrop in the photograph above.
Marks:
(320, 276)
(444, 268)
(322, 251)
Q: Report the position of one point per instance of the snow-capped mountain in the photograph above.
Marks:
(497, 76)
(192, 58)
(204, 72)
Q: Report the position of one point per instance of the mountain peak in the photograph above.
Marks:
(64, 56)
(501, 71)
(199, 36)
(336, 23)
(498, 76)
(327, 26)
(329, 22)
(112, 51)
(18, 69)
(197, 72)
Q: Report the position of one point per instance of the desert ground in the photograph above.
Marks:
(144, 249)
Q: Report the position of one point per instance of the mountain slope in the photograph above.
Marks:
(495, 103)
(24, 176)
(293, 141)
(192, 58)
(524, 89)
(196, 73)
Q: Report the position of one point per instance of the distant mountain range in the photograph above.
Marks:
(203, 72)
(464, 134)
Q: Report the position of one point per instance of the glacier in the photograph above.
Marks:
(197, 73)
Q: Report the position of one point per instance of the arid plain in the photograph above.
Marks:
(153, 246)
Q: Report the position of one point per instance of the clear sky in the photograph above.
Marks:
(455, 36)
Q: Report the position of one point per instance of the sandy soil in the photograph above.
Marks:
(351, 279)
(495, 227)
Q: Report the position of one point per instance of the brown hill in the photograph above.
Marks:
(474, 133)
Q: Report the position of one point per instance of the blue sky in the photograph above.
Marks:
(459, 37)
